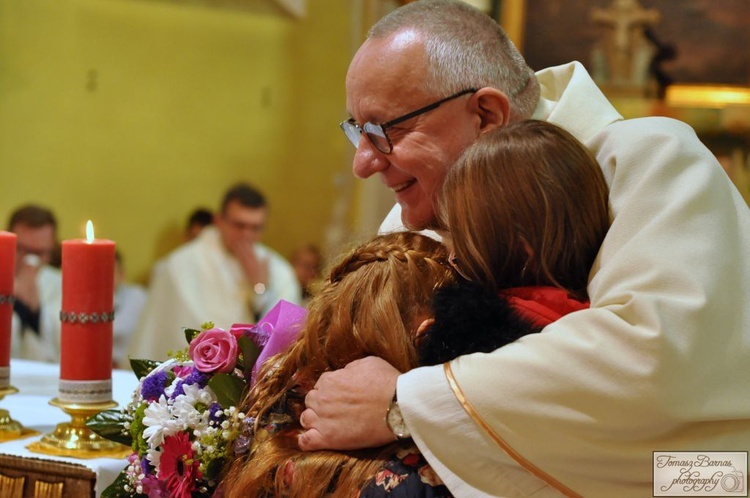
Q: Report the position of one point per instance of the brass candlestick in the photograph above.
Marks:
(9, 428)
(74, 438)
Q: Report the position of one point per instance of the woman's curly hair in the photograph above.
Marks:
(371, 305)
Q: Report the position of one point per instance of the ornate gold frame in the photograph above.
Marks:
(512, 19)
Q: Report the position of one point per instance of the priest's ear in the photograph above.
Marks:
(492, 106)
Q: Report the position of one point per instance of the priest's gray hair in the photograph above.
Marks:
(465, 48)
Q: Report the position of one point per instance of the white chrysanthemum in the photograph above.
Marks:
(159, 422)
(194, 394)
(207, 396)
(186, 414)
(154, 457)
(169, 390)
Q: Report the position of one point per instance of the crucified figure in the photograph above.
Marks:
(626, 50)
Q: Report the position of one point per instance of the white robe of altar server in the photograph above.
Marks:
(44, 346)
(130, 301)
(661, 360)
(201, 282)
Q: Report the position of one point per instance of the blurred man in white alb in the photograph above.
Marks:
(226, 275)
(38, 285)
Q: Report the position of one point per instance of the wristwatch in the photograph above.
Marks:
(395, 420)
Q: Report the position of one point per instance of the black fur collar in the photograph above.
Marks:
(470, 319)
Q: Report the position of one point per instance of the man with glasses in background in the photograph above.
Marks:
(659, 362)
(38, 285)
(225, 275)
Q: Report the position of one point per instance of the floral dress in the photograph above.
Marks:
(406, 475)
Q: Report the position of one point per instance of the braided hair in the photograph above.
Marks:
(371, 305)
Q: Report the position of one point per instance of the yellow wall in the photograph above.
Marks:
(133, 112)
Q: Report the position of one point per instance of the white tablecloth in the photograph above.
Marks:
(37, 384)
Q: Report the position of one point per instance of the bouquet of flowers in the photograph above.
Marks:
(183, 419)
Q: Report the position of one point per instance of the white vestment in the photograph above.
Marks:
(201, 282)
(130, 300)
(44, 346)
(661, 360)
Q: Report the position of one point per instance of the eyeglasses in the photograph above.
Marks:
(376, 132)
(241, 225)
(453, 260)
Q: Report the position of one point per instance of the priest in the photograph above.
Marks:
(226, 275)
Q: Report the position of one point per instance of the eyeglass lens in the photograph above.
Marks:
(376, 132)
(377, 136)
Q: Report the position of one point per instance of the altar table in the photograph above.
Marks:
(63, 476)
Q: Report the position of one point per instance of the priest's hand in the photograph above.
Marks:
(256, 269)
(26, 290)
(346, 409)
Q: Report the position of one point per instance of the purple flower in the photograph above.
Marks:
(198, 378)
(215, 407)
(258, 334)
(153, 488)
(242, 444)
(153, 385)
(146, 467)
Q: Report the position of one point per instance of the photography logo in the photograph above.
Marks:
(700, 473)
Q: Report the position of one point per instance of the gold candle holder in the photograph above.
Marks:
(74, 438)
(9, 428)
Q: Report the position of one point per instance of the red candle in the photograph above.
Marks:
(87, 313)
(7, 275)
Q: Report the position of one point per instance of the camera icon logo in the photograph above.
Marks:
(733, 482)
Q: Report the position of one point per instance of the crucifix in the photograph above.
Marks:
(624, 56)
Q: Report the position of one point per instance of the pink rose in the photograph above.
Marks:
(214, 350)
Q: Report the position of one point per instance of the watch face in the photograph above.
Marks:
(396, 422)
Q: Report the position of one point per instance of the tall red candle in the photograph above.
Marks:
(87, 314)
(7, 275)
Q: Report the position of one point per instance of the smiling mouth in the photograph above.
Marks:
(403, 186)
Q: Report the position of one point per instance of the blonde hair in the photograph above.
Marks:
(526, 204)
(371, 304)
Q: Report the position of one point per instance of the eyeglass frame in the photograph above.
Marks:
(370, 128)
(454, 262)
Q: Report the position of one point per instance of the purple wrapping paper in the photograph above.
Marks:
(282, 324)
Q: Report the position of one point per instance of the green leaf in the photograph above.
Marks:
(143, 367)
(108, 424)
(214, 468)
(117, 488)
(191, 334)
(228, 389)
(250, 353)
